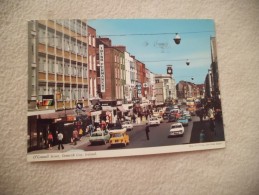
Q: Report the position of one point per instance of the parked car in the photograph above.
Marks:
(119, 137)
(188, 115)
(156, 114)
(99, 136)
(166, 113)
(171, 118)
(153, 121)
(176, 113)
(160, 118)
(183, 120)
(176, 129)
(128, 125)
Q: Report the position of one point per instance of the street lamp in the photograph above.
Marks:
(177, 39)
(187, 62)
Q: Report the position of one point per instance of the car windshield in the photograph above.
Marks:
(182, 118)
(97, 134)
(115, 128)
(176, 126)
(117, 135)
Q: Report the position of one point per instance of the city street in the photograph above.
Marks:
(158, 136)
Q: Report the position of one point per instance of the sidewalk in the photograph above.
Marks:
(217, 135)
(67, 147)
(70, 146)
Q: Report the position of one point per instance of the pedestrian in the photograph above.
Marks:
(75, 136)
(200, 114)
(211, 113)
(50, 141)
(60, 140)
(212, 126)
(202, 136)
(134, 118)
(80, 133)
(147, 131)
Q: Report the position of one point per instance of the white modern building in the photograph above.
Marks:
(165, 88)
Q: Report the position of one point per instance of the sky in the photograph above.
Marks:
(151, 42)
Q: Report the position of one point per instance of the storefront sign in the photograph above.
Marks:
(47, 100)
(71, 118)
(102, 70)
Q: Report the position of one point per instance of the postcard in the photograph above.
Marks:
(102, 88)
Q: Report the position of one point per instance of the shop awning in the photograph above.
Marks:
(108, 108)
(121, 109)
(57, 114)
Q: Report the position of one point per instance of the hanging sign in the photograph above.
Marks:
(102, 70)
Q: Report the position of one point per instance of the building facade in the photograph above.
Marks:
(57, 64)
(57, 76)
(92, 64)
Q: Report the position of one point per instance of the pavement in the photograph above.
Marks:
(71, 146)
(210, 136)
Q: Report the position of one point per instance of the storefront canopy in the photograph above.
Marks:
(121, 109)
(57, 114)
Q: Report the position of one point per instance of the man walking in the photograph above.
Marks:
(147, 131)
(75, 136)
(60, 139)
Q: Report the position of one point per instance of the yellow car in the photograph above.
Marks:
(119, 137)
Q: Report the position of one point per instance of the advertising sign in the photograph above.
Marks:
(102, 70)
(47, 100)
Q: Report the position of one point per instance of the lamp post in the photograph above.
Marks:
(187, 62)
(177, 39)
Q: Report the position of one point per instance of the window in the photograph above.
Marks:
(59, 41)
(67, 93)
(51, 40)
(42, 34)
(51, 66)
(91, 86)
(51, 91)
(42, 64)
(60, 67)
(95, 87)
(41, 90)
(90, 62)
(75, 70)
(79, 93)
(90, 39)
(84, 72)
(94, 41)
(79, 71)
(66, 41)
(94, 62)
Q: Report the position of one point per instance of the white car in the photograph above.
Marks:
(176, 129)
(160, 118)
(154, 121)
(156, 114)
(127, 125)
